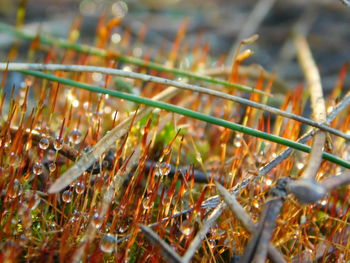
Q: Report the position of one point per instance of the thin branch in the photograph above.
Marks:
(126, 59)
(215, 200)
(258, 245)
(252, 23)
(36, 136)
(167, 251)
(336, 181)
(307, 190)
(246, 221)
(287, 51)
(253, 71)
(190, 113)
(197, 240)
(186, 86)
(305, 137)
(345, 2)
(318, 105)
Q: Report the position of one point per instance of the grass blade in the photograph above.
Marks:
(144, 77)
(191, 114)
(127, 59)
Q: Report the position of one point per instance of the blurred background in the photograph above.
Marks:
(219, 23)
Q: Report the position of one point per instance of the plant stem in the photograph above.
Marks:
(191, 114)
(126, 59)
(181, 85)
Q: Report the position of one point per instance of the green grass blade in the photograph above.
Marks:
(189, 113)
(127, 59)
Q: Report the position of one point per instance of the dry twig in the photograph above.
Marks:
(246, 221)
(318, 105)
(166, 250)
(181, 85)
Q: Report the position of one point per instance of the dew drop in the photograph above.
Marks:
(96, 220)
(212, 243)
(186, 227)
(53, 226)
(52, 167)
(300, 165)
(51, 155)
(166, 200)
(37, 168)
(119, 9)
(137, 52)
(25, 215)
(108, 243)
(44, 143)
(96, 116)
(115, 38)
(273, 156)
(268, 182)
(86, 106)
(147, 203)
(199, 158)
(75, 103)
(97, 77)
(29, 81)
(76, 215)
(23, 239)
(67, 196)
(75, 136)
(164, 169)
(16, 189)
(237, 142)
(260, 157)
(58, 143)
(14, 159)
(6, 142)
(330, 109)
(79, 188)
(256, 203)
(122, 229)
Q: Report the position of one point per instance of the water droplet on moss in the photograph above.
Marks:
(44, 143)
(58, 143)
(96, 220)
(52, 166)
(37, 168)
(15, 190)
(186, 227)
(147, 203)
(79, 188)
(51, 155)
(164, 169)
(67, 196)
(108, 243)
(237, 142)
(75, 136)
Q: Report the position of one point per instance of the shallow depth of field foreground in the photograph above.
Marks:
(174, 131)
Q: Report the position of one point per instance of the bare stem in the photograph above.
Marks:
(181, 85)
